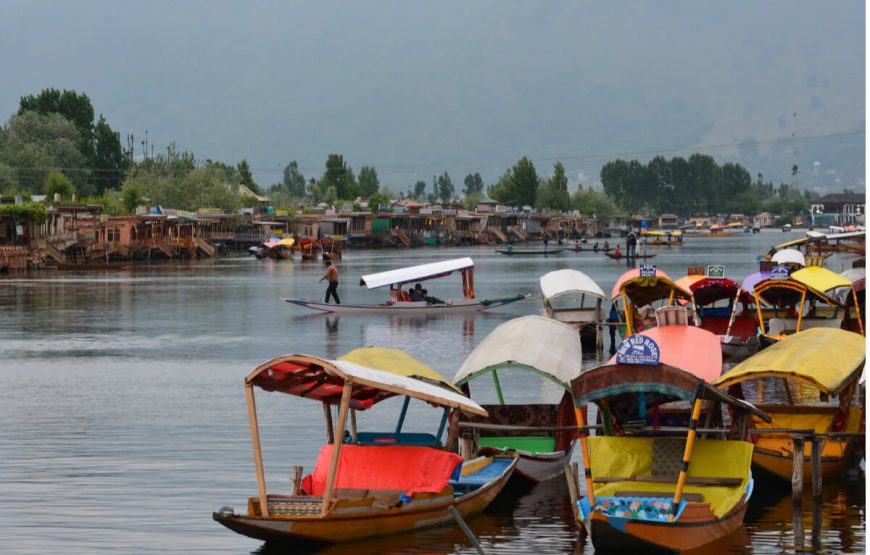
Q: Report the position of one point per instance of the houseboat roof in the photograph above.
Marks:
(416, 273)
(322, 380)
(534, 343)
(825, 358)
(563, 283)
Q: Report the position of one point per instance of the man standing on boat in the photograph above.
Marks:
(631, 244)
(331, 276)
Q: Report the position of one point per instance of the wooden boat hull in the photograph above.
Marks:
(540, 467)
(457, 306)
(621, 256)
(620, 534)
(352, 520)
(736, 349)
(91, 266)
(779, 463)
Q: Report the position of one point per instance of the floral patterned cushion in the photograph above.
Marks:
(648, 508)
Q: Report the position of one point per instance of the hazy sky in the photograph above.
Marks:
(417, 88)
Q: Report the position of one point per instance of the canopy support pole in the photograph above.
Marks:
(687, 455)
(760, 315)
(353, 432)
(733, 313)
(443, 424)
(336, 447)
(497, 387)
(402, 414)
(258, 454)
(801, 312)
(327, 414)
(857, 310)
(580, 417)
(627, 309)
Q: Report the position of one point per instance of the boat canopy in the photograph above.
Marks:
(785, 292)
(825, 358)
(396, 362)
(820, 279)
(789, 256)
(569, 283)
(323, 380)
(645, 290)
(646, 233)
(793, 243)
(708, 290)
(690, 348)
(542, 345)
(750, 281)
(631, 274)
(416, 273)
(286, 242)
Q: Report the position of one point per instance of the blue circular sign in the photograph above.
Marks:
(638, 349)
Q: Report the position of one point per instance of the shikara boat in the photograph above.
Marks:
(722, 307)
(806, 381)
(275, 248)
(366, 484)
(308, 248)
(726, 230)
(622, 255)
(399, 301)
(654, 486)
(662, 238)
(798, 298)
(543, 434)
(647, 286)
(573, 298)
(531, 252)
(853, 299)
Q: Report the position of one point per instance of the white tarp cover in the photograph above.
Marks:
(854, 274)
(569, 282)
(416, 273)
(789, 256)
(549, 346)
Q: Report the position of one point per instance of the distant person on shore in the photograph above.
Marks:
(416, 294)
(331, 276)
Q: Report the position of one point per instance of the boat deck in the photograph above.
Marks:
(480, 477)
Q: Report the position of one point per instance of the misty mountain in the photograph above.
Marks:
(418, 89)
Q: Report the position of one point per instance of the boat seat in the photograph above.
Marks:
(776, 326)
(480, 476)
(381, 498)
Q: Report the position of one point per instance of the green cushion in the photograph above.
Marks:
(532, 444)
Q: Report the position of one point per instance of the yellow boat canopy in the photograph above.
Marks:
(286, 242)
(396, 362)
(820, 279)
(825, 358)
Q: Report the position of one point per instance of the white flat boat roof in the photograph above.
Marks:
(416, 273)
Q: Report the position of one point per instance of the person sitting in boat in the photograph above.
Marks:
(606, 246)
(577, 245)
(616, 252)
(431, 300)
(416, 294)
(510, 247)
(595, 247)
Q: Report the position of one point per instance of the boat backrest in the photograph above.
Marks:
(531, 415)
(374, 467)
(672, 316)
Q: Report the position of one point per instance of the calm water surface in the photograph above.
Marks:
(124, 422)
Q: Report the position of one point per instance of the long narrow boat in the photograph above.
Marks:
(399, 301)
(646, 286)
(653, 487)
(531, 252)
(365, 484)
(621, 255)
(566, 293)
(539, 432)
(662, 238)
(806, 381)
(718, 303)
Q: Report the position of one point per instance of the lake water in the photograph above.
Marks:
(124, 422)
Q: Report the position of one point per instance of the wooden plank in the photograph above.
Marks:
(691, 480)
(511, 428)
(797, 487)
(816, 460)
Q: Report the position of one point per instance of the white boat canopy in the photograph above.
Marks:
(789, 256)
(854, 274)
(416, 273)
(573, 283)
(542, 345)
(323, 380)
